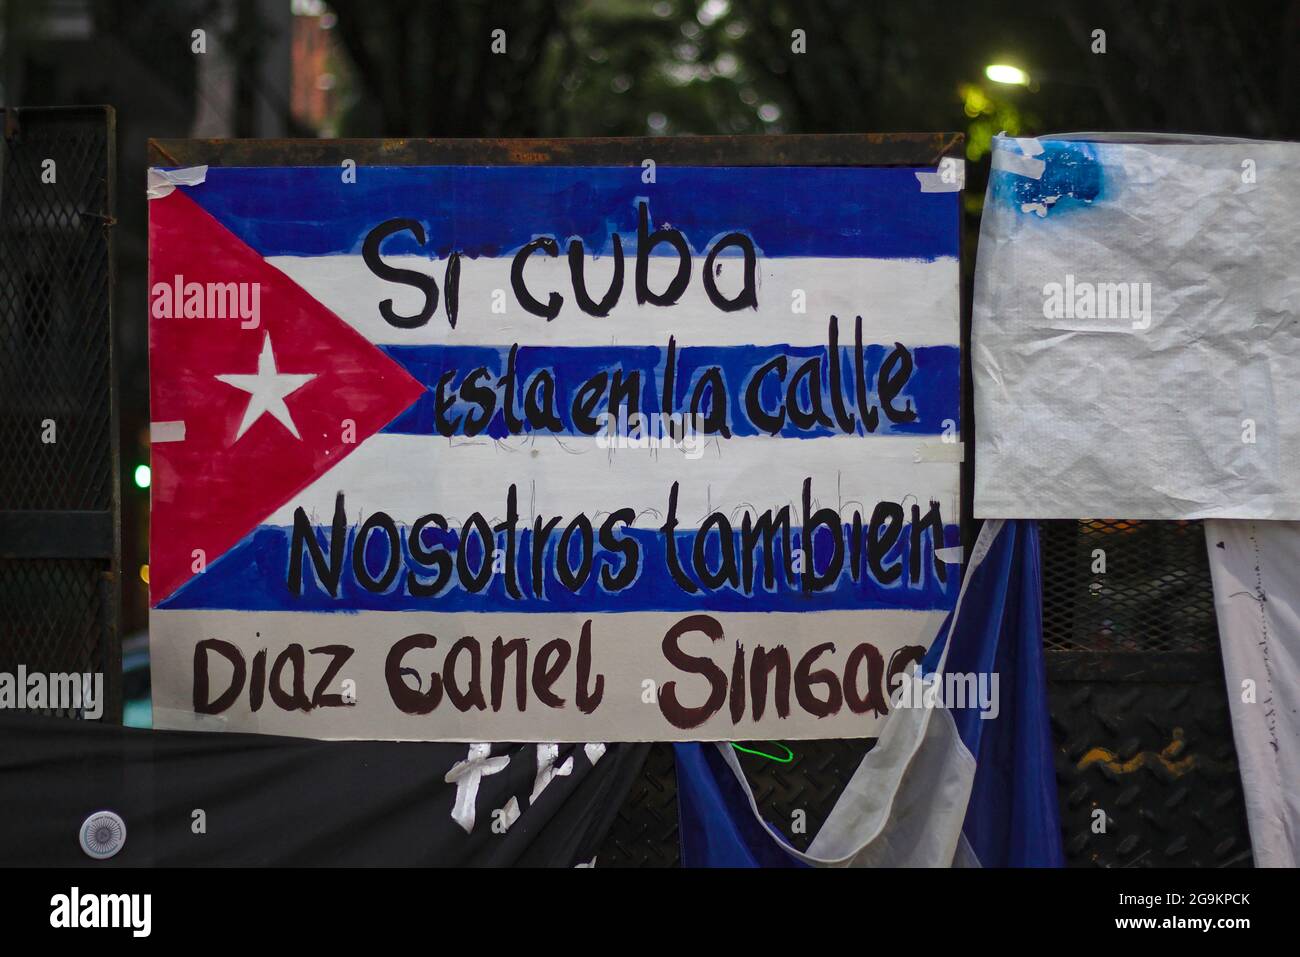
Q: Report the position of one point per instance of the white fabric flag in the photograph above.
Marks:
(1135, 346)
(905, 804)
(1256, 572)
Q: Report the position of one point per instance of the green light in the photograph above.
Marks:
(789, 755)
(142, 476)
(1005, 73)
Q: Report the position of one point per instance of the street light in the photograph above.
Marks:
(1005, 73)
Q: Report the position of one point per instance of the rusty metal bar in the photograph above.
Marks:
(817, 149)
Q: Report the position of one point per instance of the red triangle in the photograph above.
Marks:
(211, 489)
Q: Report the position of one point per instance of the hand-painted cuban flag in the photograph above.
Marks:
(519, 453)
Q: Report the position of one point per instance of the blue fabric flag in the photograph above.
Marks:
(717, 827)
(974, 779)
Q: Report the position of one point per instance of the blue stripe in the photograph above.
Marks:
(866, 212)
(252, 577)
(1012, 819)
(932, 391)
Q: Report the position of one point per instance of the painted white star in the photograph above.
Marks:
(267, 390)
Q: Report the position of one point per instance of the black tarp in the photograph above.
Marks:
(287, 801)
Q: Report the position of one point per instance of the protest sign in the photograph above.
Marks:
(551, 451)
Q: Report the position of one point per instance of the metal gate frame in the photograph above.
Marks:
(60, 503)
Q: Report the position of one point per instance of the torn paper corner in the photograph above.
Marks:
(163, 181)
(949, 177)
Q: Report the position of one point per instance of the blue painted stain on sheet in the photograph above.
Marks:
(1071, 177)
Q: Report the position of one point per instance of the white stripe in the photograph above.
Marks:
(912, 302)
(626, 650)
(408, 476)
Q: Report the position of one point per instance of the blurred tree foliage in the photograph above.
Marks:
(629, 67)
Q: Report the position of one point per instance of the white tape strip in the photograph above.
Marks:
(1029, 146)
(163, 181)
(949, 556)
(1017, 164)
(166, 432)
(950, 177)
(940, 452)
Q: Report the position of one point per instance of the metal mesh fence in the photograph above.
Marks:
(55, 617)
(1123, 586)
(54, 310)
(58, 468)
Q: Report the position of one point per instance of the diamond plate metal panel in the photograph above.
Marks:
(1126, 586)
(1154, 764)
(645, 832)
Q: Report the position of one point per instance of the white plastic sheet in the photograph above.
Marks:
(1136, 330)
(1257, 598)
